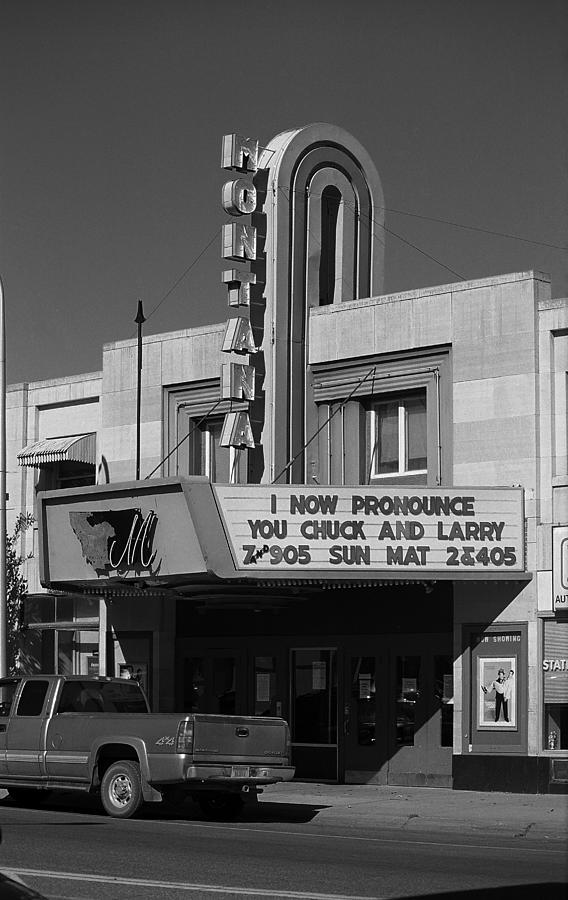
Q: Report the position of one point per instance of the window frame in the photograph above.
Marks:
(401, 399)
(208, 452)
(356, 383)
(188, 406)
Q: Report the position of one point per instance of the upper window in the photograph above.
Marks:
(328, 270)
(66, 474)
(208, 457)
(398, 436)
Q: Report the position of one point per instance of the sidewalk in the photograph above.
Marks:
(425, 809)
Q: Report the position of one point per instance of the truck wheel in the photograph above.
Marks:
(221, 806)
(121, 789)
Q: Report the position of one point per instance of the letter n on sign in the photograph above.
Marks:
(237, 382)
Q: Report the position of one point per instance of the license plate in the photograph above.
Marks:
(240, 772)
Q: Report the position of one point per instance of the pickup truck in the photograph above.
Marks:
(97, 734)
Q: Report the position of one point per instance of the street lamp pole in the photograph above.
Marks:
(139, 321)
(3, 596)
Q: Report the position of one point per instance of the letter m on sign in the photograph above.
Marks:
(239, 153)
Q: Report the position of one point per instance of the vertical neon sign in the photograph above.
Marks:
(239, 244)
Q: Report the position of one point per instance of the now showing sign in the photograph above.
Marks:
(364, 529)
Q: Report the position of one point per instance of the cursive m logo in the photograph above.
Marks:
(137, 550)
(119, 539)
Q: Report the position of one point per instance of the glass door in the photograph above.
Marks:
(420, 710)
(213, 682)
(314, 712)
(364, 715)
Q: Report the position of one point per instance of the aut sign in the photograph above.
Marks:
(560, 568)
(364, 529)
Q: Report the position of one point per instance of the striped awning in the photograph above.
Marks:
(73, 448)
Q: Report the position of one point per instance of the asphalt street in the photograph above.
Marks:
(299, 841)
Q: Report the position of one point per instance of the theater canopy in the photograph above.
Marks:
(177, 532)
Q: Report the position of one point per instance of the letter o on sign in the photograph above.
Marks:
(239, 197)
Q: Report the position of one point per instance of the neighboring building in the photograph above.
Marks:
(354, 503)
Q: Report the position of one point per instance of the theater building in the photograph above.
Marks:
(352, 508)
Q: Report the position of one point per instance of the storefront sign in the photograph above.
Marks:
(555, 662)
(239, 243)
(363, 529)
(126, 533)
(120, 540)
(560, 568)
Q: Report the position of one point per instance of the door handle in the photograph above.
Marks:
(242, 732)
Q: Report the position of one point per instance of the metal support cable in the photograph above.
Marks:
(186, 436)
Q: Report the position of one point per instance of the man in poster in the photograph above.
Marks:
(503, 687)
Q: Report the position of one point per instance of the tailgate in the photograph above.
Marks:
(240, 739)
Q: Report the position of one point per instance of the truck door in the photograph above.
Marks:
(8, 687)
(26, 731)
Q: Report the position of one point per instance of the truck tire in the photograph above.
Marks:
(121, 789)
(220, 806)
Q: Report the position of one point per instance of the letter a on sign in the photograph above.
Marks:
(238, 336)
(236, 431)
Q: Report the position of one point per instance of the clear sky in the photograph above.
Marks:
(112, 114)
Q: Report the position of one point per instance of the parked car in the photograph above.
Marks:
(98, 734)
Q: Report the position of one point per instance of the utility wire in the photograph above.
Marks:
(512, 237)
(183, 274)
(314, 236)
(415, 247)
(181, 277)
(372, 221)
(329, 418)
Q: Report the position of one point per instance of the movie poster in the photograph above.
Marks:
(497, 692)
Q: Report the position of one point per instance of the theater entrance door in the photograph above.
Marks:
(398, 711)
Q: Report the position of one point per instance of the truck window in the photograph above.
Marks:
(7, 693)
(123, 697)
(70, 699)
(32, 698)
(102, 696)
